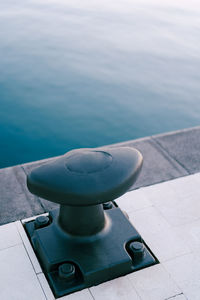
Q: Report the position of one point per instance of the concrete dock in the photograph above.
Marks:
(163, 205)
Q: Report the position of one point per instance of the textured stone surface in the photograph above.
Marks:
(15, 200)
(184, 147)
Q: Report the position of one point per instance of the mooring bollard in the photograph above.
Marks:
(84, 242)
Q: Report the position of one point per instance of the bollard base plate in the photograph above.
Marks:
(96, 259)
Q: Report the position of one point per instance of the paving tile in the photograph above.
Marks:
(184, 147)
(18, 280)
(45, 286)
(158, 166)
(178, 297)
(15, 200)
(82, 295)
(158, 234)
(190, 235)
(134, 200)
(192, 293)
(153, 283)
(185, 270)
(158, 194)
(28, 247)
(177, 200)
(9, 236)
(117, 289)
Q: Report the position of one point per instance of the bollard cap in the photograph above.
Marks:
(86, 176)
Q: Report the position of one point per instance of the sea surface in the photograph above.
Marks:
(82, 73)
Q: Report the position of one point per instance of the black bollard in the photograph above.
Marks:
(92, 240)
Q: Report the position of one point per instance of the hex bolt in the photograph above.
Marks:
(41, 221)
(107, 205)
(67, 271)
(137, 248)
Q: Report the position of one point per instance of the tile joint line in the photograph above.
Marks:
(180, 294)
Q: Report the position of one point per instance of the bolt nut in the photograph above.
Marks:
(107, 205)
(137, 248)
(41, 221)
(67, 271)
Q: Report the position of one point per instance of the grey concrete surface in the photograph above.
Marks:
(184, 147)
(15, 200)
(166, 156)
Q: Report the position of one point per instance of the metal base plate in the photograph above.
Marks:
(98, 259)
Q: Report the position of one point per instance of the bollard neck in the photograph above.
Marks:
(82, 220)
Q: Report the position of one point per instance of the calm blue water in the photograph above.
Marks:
(89, 73)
